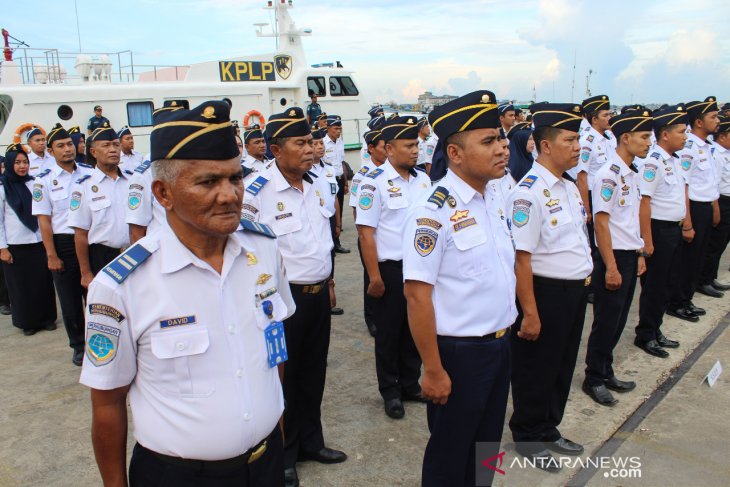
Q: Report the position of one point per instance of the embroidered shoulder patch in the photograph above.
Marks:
(607, 187)
(528, 181)
(83, 178)
(425, 241)
(259, 228)
(121, 267)
(521, 212)
(102, 342)
(649, 172)
(615, 168)
(143, 167)
(438, 197)
(43, 174)
(374, 173)
(256, 185)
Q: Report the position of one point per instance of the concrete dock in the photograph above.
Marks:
(680, 435)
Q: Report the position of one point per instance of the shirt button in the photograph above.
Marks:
(231, 329)
(180, 346)
(239, 373)
(246, 416)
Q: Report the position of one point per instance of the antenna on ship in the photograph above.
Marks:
(572, 86)
(588, 83)
(288, 37)
(78, 29)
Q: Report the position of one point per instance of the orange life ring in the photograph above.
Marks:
(24, 128)
(254, 113)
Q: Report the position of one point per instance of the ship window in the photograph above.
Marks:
(65, 112)
(139, 113)
(316, 86)
(342, 86)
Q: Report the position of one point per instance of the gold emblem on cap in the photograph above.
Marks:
(409, 121)
(646, 114)
(208, 112)
(105, 125)
(712, 98)
(577, 109)
(603, 97)
(173, 104)
(251, 259)
(486, 99)
(292, 113)
(679, 109)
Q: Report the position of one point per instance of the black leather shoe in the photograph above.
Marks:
(544, 461)
(337, 311)
(720, 286)
(371, 329)
(683, 314)
(696, 309)
(710, 291)
(651, 347)
(342, 250)
(50, 327)
(666, 342)
(565, 447)
(291, 479)
(78, 358)
(5, 310)
(394, 408)
(325, 455)
(599, 394)
(417, 397)
(30, 332)
(619, 385)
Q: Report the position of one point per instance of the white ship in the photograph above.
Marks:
(36, 89)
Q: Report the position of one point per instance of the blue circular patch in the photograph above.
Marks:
(134, 201)
(365, 202)
(100, 346)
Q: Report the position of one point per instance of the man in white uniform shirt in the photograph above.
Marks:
(384, 197)
(186, 324)
(334, 155)
(616, 200)
(553, 270)
(253, 139)
(38, 157)
(662, 211)
(702, 174)
(426, 145)
(129, 158)
(285, 198)
(52, 190)
(457, 242)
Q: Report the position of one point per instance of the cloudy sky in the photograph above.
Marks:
(640, 51)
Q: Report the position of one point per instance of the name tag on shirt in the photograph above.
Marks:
(276, 343)
(333, 188)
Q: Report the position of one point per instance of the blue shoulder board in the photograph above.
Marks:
(439, 196)
(121, 267)
(256, 185)
(374, 173)
(259, 228)
(363, 170)
(143, 167)
(528, 181)
(83, 164)
(615, 168)
(83, 178)
(43, 174)
(128, 172)
(655, 155)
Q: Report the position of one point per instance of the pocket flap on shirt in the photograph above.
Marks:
(192, 340)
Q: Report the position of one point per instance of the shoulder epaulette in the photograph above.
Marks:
(83, 178)
(363, 170)
(259, 228)
(43, 174)
(128, 172)
(374, 173)
(143, 167)
(615, 168)
(419, 168)
(121, 267)
(256, 185)
(83, 164)
(528, 181)
(655, 155)
(439, 196)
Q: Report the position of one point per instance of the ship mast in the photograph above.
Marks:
(288, 37)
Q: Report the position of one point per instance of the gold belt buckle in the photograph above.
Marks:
(588, 281)
(501, 333)
(257, 453)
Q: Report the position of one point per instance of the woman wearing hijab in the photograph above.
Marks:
(520, 150)
(23, 256)
(79, 140)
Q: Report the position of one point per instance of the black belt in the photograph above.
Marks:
(392, 263)
(723, 197)
(63, 236)
(562, 282)
(315, 288)
(250, 456)
(102, 246)
(486, 338)
(665, 223)
(700, 202)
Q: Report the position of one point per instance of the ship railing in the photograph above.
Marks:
(51, 66)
